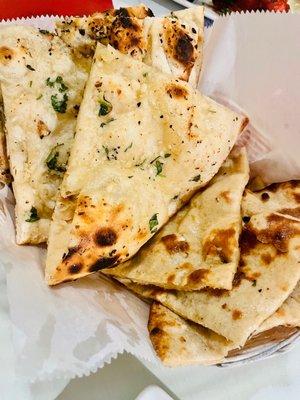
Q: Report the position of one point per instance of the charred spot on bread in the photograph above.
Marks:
(105, 237)
(75, 268)
(176, 91)
(103, 262)
(173, 245)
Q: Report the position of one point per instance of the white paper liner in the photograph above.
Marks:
(74, 329)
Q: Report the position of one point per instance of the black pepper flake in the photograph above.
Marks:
(30, 67)
(259, 290)
(161, 116)
(138, 104)
(81, 31)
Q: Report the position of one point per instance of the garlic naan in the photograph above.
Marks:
(173, 44)
(42, 90)
(145, 142)
(199, 247)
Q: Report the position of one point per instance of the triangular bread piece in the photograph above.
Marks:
(199, 246)
(286, 315)
(282, 198)
(178, 342)
(145, 142)
(173, 44)
(42, 90)
(269, 271)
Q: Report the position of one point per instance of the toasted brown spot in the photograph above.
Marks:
(176, 91)
(216, 292)
(226, 196)
(186, 266)
(69, 254)
(267, 258)
(280, 312)
(42, 129)
(171, 278)
(279, 232)
(243, 272)
(221, 243)
(155, 331)
(103, 262)
(293, 212)
(224, 306)
(6, 54)
(198, 276)
(142, 233)
(273, 187)
(236, 314)
(75, 268)
(173, 245)
(105, 237)
(86, 50)
(122, 12)
(184, 50)
(239, 275)
(297, 197)
(126, 35)
(182, 339)
(265, 196)
(248, 240)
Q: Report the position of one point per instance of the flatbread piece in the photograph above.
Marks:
(199, 246)
(138, 131)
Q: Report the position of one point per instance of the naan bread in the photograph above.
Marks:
(5, 176)
(42, 89)
(282, 198)
(286, 315)
(173, 44)
(178, 342)
(199, 247)
(121, 28)
(144, 143)
(269, 271)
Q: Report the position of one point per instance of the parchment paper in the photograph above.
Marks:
(252, 62)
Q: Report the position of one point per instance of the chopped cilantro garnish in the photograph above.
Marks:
(52, 160)
(60, 84)
(167, 155)
(39, 97)
(128, 147)
(105, 107)
(59, 106)
(30, 83)
(159, 167)
(153, 222)
(106, 151)
(33, 216)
